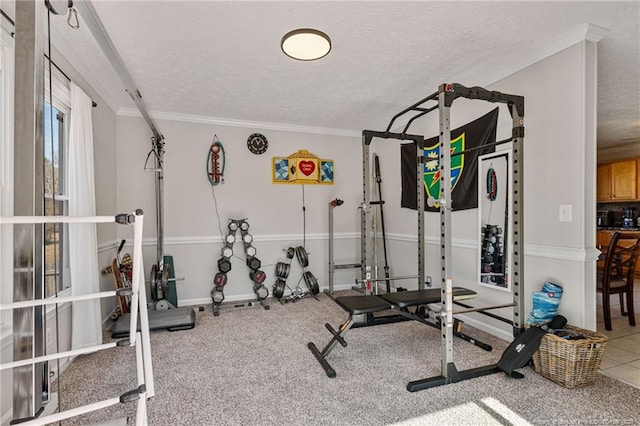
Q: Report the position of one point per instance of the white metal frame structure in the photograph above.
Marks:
(138, 339)
(442, 100)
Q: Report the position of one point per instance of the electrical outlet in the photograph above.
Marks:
(427, 281)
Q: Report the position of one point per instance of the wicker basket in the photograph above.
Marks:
(570, 363)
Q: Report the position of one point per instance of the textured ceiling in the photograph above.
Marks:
(223, 59)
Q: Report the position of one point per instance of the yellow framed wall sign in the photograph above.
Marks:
(302, 167)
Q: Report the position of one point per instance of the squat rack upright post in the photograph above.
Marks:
(447, 93)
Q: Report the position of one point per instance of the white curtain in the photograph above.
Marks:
(83, 245)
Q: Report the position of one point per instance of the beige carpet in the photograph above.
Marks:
(251, 366)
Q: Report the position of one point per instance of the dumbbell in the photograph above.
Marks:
(257, 276)
(224, 265)
(253, 263)
(220, 280)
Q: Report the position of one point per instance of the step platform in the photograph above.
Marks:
(174, 319)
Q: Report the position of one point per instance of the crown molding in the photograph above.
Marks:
(219, 121)
(586, 32)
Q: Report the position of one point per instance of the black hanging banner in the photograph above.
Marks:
(464, 168)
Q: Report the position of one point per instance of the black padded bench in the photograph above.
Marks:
(399, 302)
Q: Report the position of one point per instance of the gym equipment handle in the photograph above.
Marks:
(336, 335)
(323, 362)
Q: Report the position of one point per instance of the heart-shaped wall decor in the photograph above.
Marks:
(307, 167)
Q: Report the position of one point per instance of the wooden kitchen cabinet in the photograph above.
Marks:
(623, 180)
(604, 182)
(618, 181)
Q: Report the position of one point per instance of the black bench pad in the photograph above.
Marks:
(405, 299)
(357, 305)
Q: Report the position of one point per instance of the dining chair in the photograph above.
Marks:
(617, 275)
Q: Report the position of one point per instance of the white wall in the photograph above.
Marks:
(559, 169)
(274, 211)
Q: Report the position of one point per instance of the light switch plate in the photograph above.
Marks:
(564, 212)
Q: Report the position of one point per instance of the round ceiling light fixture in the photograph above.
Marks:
(306, 44)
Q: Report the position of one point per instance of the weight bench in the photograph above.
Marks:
(399, 302)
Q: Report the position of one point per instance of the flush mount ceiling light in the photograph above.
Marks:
(305, 44)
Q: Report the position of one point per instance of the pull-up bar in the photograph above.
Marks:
(452, 92)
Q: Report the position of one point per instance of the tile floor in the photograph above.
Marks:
(621, 358)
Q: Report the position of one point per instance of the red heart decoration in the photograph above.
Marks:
(307, 167)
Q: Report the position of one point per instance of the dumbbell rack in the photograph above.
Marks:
(282, 271)
(224, 266)
(492, 255)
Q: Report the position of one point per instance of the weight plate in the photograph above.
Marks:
(301, 255)
(286, 270)
(165, 279)
(154, 282)
(278, 288)
(312, 282)
(282, 270)
(257, 144)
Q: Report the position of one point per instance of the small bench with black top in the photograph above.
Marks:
(399, 302)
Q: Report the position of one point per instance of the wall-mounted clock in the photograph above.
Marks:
(257, 144)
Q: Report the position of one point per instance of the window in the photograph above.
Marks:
(6, 174)
(55, 200)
